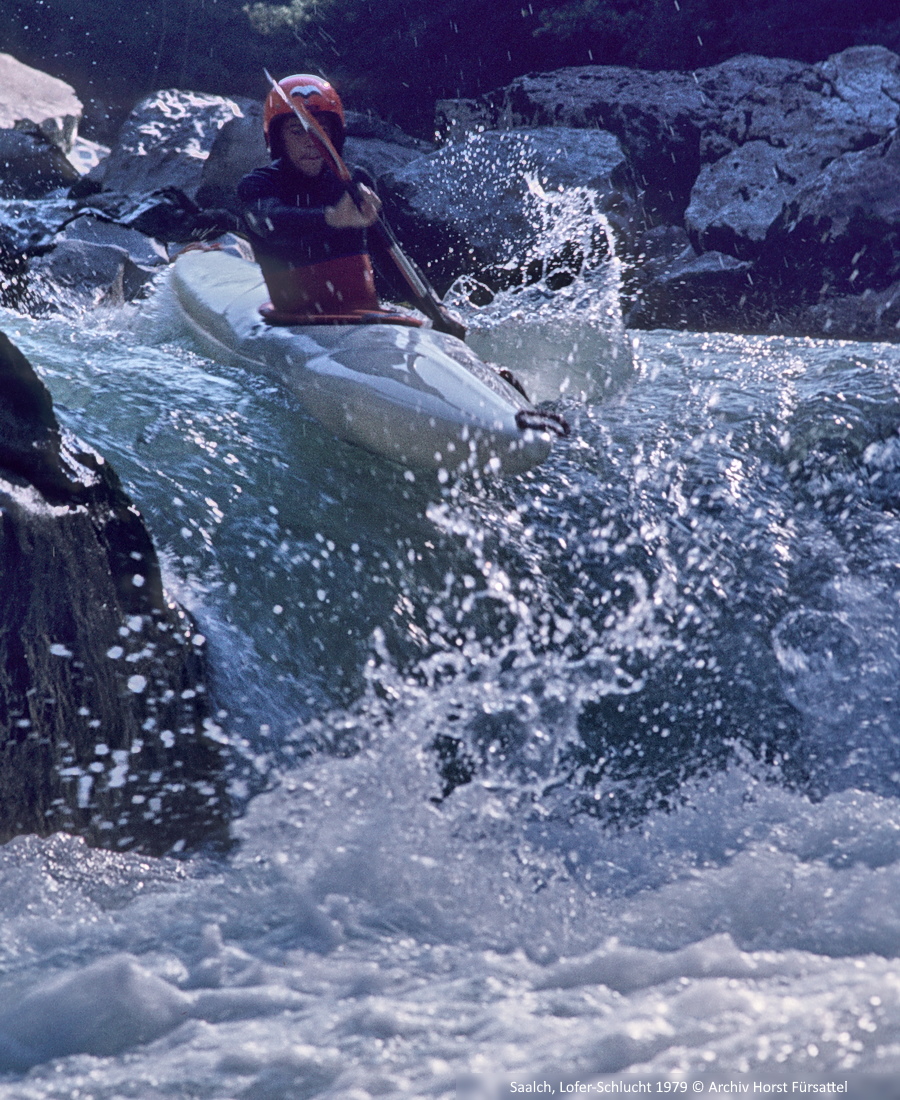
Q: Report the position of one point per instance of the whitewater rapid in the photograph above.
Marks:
(587, 776)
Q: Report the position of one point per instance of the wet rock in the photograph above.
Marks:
(380, 147)
(31, 166)
(141, 249)
(239, 147)
(657, 117)
(737, 198)
(30, 224)
(14, 282)
(105, 727)
(712, 291)
(872, 315)
(779, 124)
(164, 143)
(498, 199)
(32, 100)
(86, 155)
(841, 234)
(773, 162)
(84, 274)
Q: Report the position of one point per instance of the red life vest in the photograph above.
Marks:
(340, 291)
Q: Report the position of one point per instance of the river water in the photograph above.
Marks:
(587, 775)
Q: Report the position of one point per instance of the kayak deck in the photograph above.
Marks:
(416, 396)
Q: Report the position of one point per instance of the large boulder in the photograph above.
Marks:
(841, 234)
(31, 166)
(657, 117)
(505, 200)
(105, 725)
(165, 142)
(32, 100)
(778, 124)
(710, 291)
(83, 274)
(141, 249)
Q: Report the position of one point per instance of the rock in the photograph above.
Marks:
(167, 215)
(141, 249)
(86, 155)
(711, 291)
(164, 143)
(778, 125)
(841, 234)
(239, 147)
(32, 100)
(657, 117)
(737, 198)
(872, 315)
(31, 166)
(14, 282)
(105, 726)
(505, 199)
(380, 147)
(84, 274)
(30, 225)
(378, 158)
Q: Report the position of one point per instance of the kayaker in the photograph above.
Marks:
(308, 233)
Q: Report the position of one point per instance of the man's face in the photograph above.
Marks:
(301, 149)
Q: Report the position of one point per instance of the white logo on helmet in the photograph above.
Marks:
(306, 90)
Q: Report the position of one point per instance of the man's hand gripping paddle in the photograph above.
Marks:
(423, 293)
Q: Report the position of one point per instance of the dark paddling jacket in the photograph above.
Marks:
(310, 267)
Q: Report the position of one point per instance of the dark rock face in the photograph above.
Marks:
(105, 727)
(31, 166)
(842, 231)
(84, 274)
(657, 117)
(782, 174)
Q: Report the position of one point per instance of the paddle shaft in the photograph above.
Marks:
(424, 294)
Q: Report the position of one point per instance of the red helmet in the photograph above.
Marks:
(317, 96)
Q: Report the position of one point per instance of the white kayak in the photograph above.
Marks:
(413, 395)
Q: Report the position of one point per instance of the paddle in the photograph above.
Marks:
(424, 295)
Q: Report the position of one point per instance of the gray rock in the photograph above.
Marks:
(86, 155)
(709, 291)
(657, 117)
(141, 249)
(379, 158)
(32, 100)
(841, 234)
(31, 166)
(83, 274)
(28, 224)
(499, 198)
(105, 727)
(239, 147)
(779, 124)
(737, 198)
(872, 315)
(165, 143)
